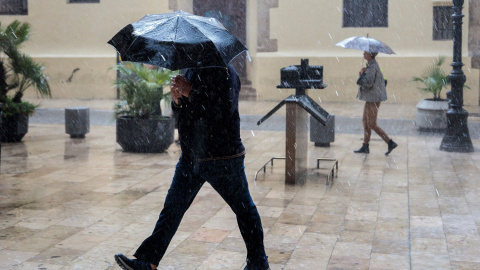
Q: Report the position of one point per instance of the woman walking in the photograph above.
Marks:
(371, 89)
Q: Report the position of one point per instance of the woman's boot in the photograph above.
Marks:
(391, 145)
(363, 149)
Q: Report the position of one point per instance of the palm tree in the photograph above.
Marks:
(18, 72)
(141, 89)
(434, 78)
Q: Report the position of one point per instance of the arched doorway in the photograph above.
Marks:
(232, 14)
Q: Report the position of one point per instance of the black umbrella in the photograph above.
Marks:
(177, 40)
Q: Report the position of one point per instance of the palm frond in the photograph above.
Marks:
(141, 89)
(14, 34)
(29, 74)
(21, 72)
(434, 78)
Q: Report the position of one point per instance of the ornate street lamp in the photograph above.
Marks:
(457, 137)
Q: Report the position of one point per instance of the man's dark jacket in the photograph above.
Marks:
(208, 120)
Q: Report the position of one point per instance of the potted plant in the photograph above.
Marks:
(18, 72)
(141, 127)
(431, 112)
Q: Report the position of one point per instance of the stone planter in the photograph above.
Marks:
(145, 135)
(431, 115)
(14, 128)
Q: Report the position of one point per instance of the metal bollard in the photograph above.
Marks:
(77, 121)
(321, 135)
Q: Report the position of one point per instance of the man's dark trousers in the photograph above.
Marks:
(228, 178)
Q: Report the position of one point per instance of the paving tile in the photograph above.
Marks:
(17, 233)
(429, 245)
(13, 258)
(209, 235)
(223, 260)
(56, 256)
(356, 237)
(389, 261)
(348, 262)
(391, 247)
(463, 248)
(424, 260)
(426, 227)
(392, 229)
(459, 225)
(233, 244)
(356, 250)
(295, 219)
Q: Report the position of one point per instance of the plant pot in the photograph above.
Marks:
(145, 135)
(13, 128)
(431, 114)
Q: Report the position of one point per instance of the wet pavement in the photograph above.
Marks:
(73, 203)
(395, 119)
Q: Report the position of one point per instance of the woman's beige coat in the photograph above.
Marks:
(371, 85)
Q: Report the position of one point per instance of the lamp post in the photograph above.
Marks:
(457, 137)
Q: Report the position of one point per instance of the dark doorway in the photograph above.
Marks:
(232, 14)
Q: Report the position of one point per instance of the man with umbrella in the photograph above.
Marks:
(206, 102)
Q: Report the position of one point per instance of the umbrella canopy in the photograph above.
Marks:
(367, 44)
(177, 40)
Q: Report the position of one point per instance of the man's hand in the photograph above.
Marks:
(362, 71)
(180, 87)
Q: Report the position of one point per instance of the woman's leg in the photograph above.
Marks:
(370, 117)
(367, 131)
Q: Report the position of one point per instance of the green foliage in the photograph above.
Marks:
(434, 78)
(11, 108)
(14, 35)
(18, 72)
(141, 90)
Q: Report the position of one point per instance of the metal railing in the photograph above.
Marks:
(330, 177)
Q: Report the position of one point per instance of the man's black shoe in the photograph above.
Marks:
(251, 266)
(131, 264)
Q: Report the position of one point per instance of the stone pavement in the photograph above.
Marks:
(73, 203)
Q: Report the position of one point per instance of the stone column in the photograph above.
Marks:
(264, 43)
(296, 150)
(474, 35)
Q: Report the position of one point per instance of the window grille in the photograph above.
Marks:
(14, 7)
(442, 23)
(365, 13)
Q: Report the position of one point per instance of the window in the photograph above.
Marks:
(14, 7)
(442, 23)
(365, 13)
(83, 1)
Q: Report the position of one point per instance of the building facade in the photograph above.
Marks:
(69, 37)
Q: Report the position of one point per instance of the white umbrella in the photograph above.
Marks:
(366, 44)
